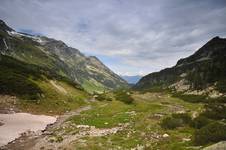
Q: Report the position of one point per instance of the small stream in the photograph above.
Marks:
(13, 125)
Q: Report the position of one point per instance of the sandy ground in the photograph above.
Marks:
(13, 125)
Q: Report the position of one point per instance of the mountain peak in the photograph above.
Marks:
(4, 26)
(207, 51)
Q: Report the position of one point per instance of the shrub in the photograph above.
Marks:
(215, 111)
(171, 123)
(199, 122)
(102, 96)
(213, 132)
(185, 117)
(176, 120)
(124, 96)
(191, 98)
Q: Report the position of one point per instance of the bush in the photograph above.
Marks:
(102, 96)
(124, 96)
(213, 132)
(191, 98)
(185, 117)
(176, 120)
(199, 122)
(215, 111)
(171, 123)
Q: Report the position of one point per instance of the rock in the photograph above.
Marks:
(186, 139)
(165, 135)
(218, 146)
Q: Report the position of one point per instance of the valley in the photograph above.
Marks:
(53, 97)
(117, 125)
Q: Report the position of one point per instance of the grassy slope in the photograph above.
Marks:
(31, 84)
(143, 126)
(54, 101)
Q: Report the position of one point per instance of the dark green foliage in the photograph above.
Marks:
(191, 98)
(102, 96)
(17, 78)
(124, 96)
(185, 117)
(171, 123)
(199, 122)
(176, 120)
(213, 132)
(215, 111)
(221, 86)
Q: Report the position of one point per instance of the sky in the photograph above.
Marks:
(131, 37)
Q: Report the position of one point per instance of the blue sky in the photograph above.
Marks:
(130, 36)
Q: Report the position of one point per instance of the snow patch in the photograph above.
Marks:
(33, 37)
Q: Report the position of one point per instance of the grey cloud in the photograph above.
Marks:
(145, 35)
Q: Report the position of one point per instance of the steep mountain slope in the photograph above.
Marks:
(56, 55)
(204, 72)
(36, 89)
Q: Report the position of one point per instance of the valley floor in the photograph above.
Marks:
(116, 125)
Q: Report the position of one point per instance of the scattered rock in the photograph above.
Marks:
(82, 126)
(186, 139)
(165, 135)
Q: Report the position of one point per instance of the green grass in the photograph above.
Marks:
(143, 126)
(31, 84)
(55, 102)
(102, 117)
(91, 87)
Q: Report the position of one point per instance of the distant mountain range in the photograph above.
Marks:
(57, 57)
(131, 79)
(203, 73)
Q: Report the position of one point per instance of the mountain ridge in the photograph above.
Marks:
(201, 73)
(90, 72)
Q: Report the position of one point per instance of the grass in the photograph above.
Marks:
(31, 84)
(143, 127)
(102, 117)
(55, 102)
(91, 87)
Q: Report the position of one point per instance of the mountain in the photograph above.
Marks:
(55, 55)
(204, 72)
(131, 79)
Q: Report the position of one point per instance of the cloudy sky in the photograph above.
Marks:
(130, 36)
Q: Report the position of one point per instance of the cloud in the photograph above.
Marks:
(129, 36)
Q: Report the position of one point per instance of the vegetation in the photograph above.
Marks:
(199, 122)
(191, 98)
(175, 120)
(215, 111)
(16, 78)
(213, 132)
(124, 96)
(102, 96)
(138, 121)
